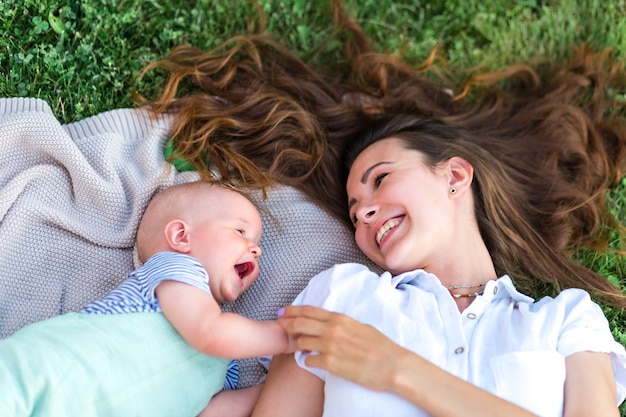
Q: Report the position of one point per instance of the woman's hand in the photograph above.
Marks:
(365, 356)
(343, 346)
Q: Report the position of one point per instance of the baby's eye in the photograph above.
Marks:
(379, 178)
(241, 232)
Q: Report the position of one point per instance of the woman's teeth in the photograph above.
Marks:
(382, 232)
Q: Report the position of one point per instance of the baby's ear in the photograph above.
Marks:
(177, 236)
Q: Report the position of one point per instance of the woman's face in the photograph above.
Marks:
(401, 209)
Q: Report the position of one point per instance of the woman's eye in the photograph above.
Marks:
(354, 219)
(379, 178)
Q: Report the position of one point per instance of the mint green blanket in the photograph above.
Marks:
(105, 365)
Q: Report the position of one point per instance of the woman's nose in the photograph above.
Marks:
(366, 214)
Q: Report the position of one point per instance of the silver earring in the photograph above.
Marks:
(452, 190)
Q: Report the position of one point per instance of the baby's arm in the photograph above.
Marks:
(199, 320)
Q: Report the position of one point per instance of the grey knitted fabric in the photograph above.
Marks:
(71, 197)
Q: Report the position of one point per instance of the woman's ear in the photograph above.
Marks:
(461, 174)
(178, 236)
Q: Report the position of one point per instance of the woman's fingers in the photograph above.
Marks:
(304, 320)
(357, 352)
(308, 323)
(342, 345)
(306, 311)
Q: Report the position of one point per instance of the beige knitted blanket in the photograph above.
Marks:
(71, 197)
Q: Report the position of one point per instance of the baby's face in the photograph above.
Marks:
(226, 242)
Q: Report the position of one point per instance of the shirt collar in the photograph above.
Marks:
(504, 288)
(501, 288)
(418, 278)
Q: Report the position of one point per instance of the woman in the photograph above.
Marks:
(529, 155)
(466, 342)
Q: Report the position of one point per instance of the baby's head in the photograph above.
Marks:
(218, 226)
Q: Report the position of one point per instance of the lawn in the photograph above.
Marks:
(84, 57)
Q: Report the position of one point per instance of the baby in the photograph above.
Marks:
(159, 343)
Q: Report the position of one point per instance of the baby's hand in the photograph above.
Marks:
(291, 337)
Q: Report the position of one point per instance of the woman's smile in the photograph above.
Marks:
(387, 229)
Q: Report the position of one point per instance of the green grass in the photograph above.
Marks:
(84, 57)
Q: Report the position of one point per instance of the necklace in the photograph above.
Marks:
(472, 294)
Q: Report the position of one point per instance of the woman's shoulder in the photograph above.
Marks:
(568, 300)
(345, 273)
(571, 310)
(340, 278)
(570, 307)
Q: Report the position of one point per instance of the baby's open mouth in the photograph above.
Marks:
(244, 269)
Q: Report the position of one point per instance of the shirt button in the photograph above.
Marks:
(459, 350)
(471, 316)
(495, 290)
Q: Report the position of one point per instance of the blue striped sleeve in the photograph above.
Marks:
(136, 293)
(172, 266)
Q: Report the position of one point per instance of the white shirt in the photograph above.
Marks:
(503, 342)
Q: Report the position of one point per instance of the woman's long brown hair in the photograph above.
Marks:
(554, 132)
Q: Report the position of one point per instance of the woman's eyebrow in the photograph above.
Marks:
(364, 178)
(369, 170)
